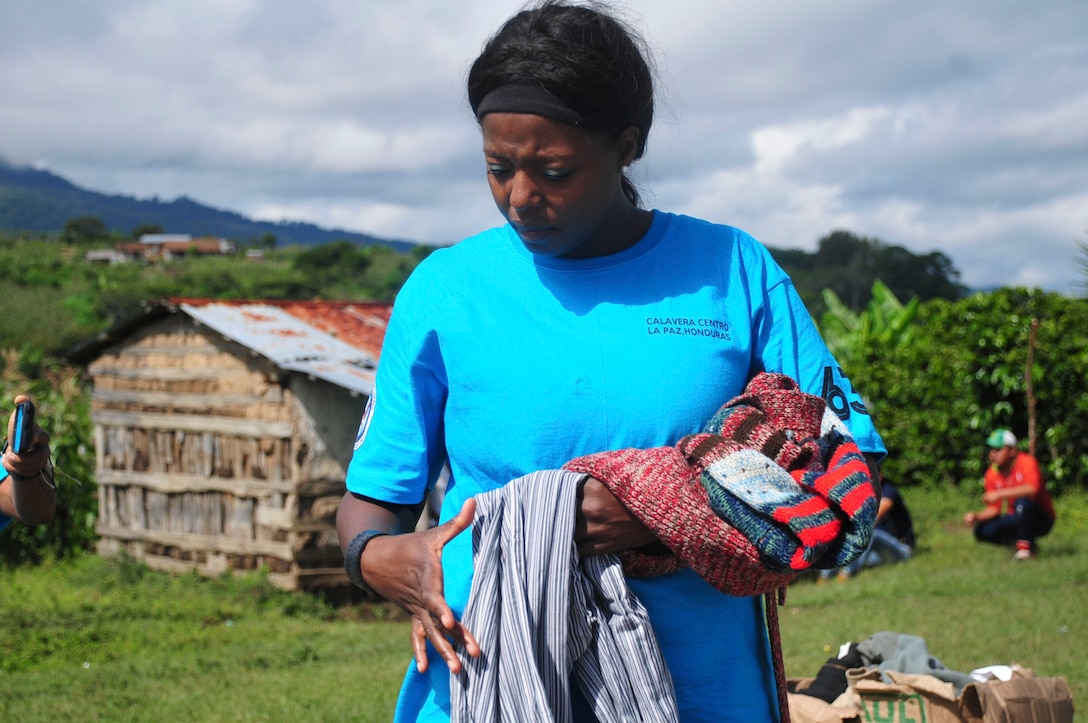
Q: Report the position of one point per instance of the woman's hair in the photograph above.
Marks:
(582, 55)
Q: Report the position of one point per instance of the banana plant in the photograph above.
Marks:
(885, 322)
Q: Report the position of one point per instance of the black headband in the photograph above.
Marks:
(515, 98)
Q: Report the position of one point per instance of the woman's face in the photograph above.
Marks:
(559, 185)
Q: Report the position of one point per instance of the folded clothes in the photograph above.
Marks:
(773, 486)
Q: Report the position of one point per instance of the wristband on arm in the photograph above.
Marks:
(353, 555)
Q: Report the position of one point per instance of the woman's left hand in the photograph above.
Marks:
(603, 525)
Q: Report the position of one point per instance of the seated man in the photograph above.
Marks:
(27, 491)
(1017, 505)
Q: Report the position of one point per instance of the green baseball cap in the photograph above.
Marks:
(1001, 438)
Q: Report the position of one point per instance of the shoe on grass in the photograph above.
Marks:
(1024, 553)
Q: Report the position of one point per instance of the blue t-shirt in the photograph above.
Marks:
(502, 363)
(4, 519)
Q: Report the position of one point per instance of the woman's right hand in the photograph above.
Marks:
(407, 570)
(603, 525)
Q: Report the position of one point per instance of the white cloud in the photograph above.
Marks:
(775, 146)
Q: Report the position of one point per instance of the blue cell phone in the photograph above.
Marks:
(24, 427)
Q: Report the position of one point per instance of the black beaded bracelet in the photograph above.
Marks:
(354, 553)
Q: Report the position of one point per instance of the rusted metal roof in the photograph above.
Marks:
(332, 340)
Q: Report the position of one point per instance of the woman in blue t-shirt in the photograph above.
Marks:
(586, 323)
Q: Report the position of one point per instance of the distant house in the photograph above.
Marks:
(166, 246)
(223, 430)
(105, 256)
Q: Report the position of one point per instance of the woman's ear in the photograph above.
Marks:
(627, 146)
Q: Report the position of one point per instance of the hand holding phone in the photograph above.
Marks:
(23, 439)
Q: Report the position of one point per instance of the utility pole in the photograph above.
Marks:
(1030, 386)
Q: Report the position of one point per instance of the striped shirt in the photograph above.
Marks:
(544, 616)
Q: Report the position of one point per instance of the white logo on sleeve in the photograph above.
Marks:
(364, 424)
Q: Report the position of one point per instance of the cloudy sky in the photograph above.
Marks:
(959, 127)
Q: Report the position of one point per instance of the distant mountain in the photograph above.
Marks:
(33, 200)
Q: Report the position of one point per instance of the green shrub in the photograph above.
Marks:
(963, 373)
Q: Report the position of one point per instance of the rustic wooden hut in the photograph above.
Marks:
(223, 430)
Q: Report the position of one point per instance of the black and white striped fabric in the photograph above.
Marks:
(541, 614)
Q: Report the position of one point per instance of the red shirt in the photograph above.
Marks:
(1024, 470)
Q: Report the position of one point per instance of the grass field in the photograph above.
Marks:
(109, 640)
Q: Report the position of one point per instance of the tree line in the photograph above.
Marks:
(848, 265)
(54, 298)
